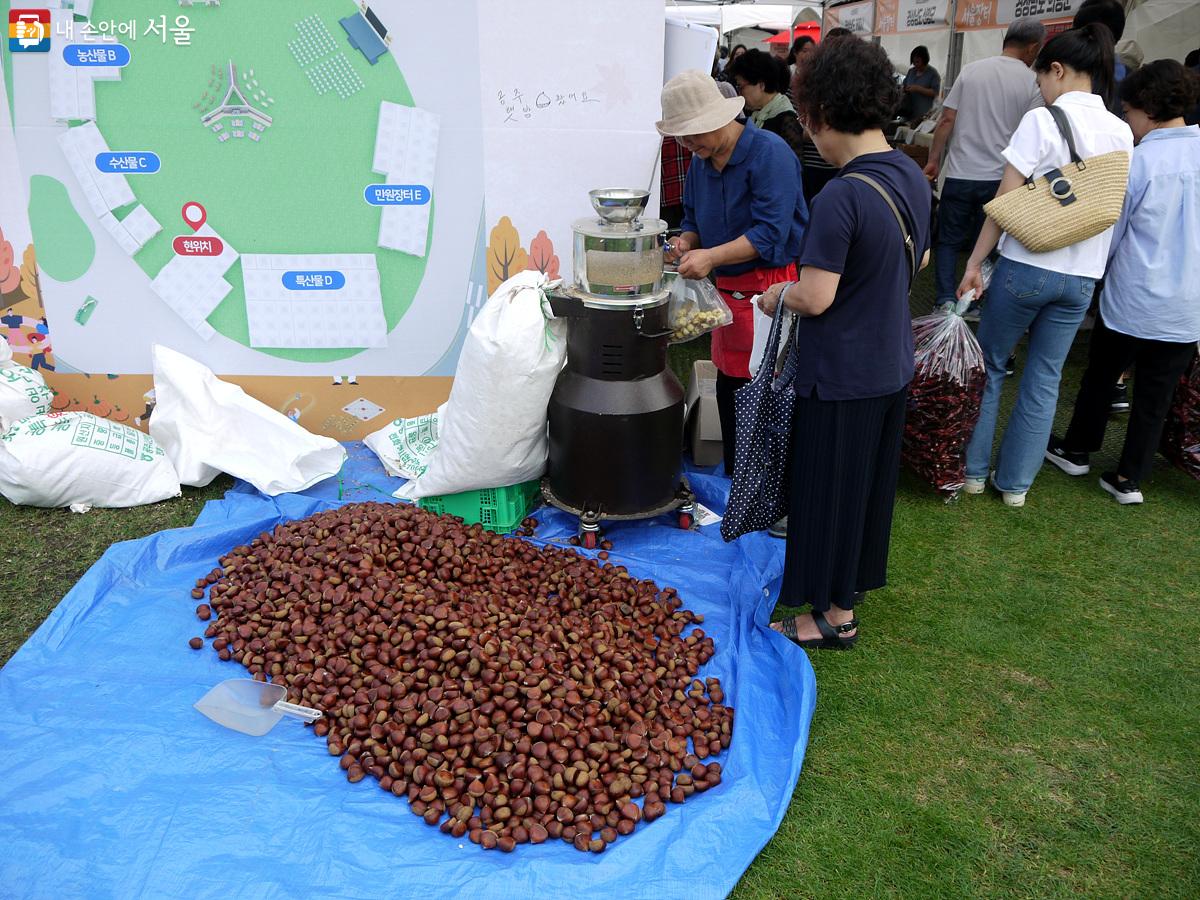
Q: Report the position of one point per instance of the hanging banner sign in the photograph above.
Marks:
(1009, 10)
(915, 15)
(898, 16)
(857, 17)
(995, 13)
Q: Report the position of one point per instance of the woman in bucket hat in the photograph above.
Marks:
(743, 216)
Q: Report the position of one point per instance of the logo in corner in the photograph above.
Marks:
(28, 31)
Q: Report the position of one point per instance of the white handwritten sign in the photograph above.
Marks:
(517, 105)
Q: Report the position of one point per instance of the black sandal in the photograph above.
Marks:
(830, 638)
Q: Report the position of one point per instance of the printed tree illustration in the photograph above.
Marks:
(541, 255)
(31, 284)
(505, 255)
(10, 274)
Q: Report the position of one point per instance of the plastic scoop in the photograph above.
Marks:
(251, 707)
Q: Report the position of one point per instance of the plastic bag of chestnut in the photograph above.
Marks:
(1181, 435)
(943, 398)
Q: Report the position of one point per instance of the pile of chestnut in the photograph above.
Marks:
(511, 693)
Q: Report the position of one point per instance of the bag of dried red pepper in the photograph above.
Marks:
(1181, 435)
(943, 398)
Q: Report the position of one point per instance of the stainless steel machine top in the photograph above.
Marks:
(618, 254)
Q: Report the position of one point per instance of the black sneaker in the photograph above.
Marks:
(1120, 398)
(1124, 492)
(1070, 461)
(1010, 366)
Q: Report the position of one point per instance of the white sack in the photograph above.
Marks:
(492, 430)
(75, 458)
(208, 426)
(23, 391)
(405, 446)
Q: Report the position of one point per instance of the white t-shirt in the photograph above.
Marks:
(1037, 146)
(990, 96)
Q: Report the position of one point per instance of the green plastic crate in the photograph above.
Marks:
(497, 509)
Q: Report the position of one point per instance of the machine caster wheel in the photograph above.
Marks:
(686, 521)
(589, 540)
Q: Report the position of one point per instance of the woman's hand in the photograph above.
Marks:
(696, 264)
(768, 300)
(679, 246)
(972, 280)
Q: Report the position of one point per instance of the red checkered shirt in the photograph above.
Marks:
(675, 162)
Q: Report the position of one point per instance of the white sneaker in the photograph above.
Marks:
(1010, 498)
(974, 485)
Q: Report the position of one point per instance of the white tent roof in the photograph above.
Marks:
(770, 16)
(1164, 29)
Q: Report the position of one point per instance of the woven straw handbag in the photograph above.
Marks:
(1068, 205)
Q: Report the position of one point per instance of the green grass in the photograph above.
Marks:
(1020, 718)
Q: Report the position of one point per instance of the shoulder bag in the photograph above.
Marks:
(910, 245)
(1068, 205)
(758, 495)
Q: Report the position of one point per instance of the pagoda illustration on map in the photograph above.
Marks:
(237, 109)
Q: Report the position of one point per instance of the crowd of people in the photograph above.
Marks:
(792, 192)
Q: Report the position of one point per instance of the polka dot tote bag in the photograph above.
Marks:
(763, 408)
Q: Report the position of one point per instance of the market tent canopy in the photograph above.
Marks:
(1164, 29)
(806, 29)
(771, 17)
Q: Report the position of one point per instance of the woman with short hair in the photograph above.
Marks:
(853, 343)
(762, 80)
(1150, 303)
(921, 86)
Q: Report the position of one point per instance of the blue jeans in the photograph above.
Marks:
(960, 217)
(1051, 306)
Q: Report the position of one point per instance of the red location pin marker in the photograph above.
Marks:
(194, 215)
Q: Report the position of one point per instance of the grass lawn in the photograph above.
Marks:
(1020, 718)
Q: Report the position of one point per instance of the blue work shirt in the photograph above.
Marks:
(757, 195)
(1152, 286)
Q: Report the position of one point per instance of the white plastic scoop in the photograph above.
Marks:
(251, 707)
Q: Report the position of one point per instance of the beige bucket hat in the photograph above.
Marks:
(692, 104)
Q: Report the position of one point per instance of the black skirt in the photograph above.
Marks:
(845, 465)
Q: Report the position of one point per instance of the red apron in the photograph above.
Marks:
(732, 344)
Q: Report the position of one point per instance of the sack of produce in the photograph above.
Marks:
(492, 430)
(75, 458)
(23, 391)
(1181, 435)
(405, 445)
(695, 308)
(208, 426)
(943, 398)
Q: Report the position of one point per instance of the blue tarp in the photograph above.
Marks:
(112, 785)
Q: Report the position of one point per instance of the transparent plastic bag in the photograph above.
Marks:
(943, 398)
(762, 332)
(1181, 435)
(695, 308)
